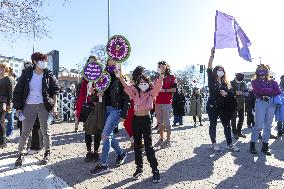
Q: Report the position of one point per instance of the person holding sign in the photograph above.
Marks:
(143, 93)
(117, 105)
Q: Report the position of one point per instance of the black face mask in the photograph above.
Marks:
(240, 77)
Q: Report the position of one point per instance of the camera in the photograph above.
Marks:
(265, 98)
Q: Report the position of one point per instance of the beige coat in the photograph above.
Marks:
(196, 106)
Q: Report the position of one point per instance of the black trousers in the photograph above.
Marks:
(97, 140)
(194, 119)
(213, 115)
(237, 114)
(250, 118)
(141, 126)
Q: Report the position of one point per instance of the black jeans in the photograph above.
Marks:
(250, 118)
(194, 119)
(2, 128)
(237, 129)
(141, 126)
(97, 140)
(213, 115)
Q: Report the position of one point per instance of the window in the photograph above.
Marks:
(16, 65)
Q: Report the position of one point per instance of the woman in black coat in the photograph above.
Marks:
(178, 107)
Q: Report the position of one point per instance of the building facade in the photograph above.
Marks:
(16, 63)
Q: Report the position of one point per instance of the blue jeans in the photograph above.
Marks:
(178, 119)
(112, 120)
(264, 114)
(10, 124)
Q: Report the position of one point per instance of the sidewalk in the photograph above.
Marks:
(188, 163)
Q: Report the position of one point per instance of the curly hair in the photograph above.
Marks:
(37, 56)
(5, 67)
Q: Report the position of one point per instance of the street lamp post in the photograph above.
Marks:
(108, 19)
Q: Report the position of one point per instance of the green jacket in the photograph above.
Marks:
(96, 119)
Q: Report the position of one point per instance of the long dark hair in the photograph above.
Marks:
(145, 78)
(223, 78)
(138, 71)
(168, 68)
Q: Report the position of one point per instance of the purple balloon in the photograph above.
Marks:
(103, 83)
(93, 71)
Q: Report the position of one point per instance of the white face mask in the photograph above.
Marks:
(143, 86)
(42, 64)
(220, 73)
(159, 70)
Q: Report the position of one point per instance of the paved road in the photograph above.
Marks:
(188, 163)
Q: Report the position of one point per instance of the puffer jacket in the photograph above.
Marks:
(50, 87)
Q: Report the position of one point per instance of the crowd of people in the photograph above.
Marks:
(133, 101)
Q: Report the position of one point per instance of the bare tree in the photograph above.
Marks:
(22, 18)
(99, 51)
(189, 78)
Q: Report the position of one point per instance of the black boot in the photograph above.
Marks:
(19, 161)
(46, 158)
(252, 148)
(265, 149)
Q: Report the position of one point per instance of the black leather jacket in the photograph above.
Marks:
(50, 87)
(118, 98)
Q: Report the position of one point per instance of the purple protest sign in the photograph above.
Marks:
(92, 71)
(103, 83)
(118, 48)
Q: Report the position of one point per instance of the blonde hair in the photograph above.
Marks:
(5, 67)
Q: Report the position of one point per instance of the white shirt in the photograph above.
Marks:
(35, 95)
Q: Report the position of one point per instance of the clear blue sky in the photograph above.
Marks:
(180, 31)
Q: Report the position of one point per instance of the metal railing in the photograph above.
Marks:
(66, 105)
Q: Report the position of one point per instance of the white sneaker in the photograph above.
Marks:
(233, 148)
(32, 152)
(215, 147)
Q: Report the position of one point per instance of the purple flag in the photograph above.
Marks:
(225, 35)
(228, 34)
(245, 42)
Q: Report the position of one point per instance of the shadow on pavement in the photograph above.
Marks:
(197, 168)
(253, 171)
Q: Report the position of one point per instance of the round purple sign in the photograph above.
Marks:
(103, 83)
(118, 48)
(92, 71)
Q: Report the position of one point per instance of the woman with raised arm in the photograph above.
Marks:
(221, 103)
(143, 94)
